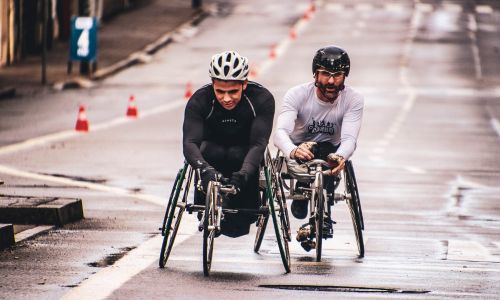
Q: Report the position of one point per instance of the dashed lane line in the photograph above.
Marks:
(92, 186)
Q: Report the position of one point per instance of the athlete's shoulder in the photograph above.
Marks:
(201, 98)
(353, 95)
(257, 90)
(300, 93)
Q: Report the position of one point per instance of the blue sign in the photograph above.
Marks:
(83, 42)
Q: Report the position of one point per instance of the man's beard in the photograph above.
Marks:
(323, 87)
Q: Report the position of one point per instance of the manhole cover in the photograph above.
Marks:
(342, 289)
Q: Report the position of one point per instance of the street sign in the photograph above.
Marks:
(83, 42)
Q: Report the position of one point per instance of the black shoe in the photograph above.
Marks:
(308, 245)
(328, 227)
(299, 209)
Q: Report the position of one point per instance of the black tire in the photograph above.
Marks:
(261, 227)
(350, 169)
(279, 193)
(319, 213)
(209, 228)
(278, 222)
(174, 211)
(354, 208)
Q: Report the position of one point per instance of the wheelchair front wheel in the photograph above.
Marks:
(318, 198)
(209, 227)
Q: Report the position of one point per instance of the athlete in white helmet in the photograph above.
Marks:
(227, 125)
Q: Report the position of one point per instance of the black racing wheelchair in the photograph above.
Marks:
(273, 204)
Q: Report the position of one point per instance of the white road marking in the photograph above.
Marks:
(469, 250)
(363, 7)
(452, 7)
(424, 7)
(92, 186)
(484, 9)
(415, 170)
(103, 283)
(68, 134)
(394, 7)
(26, 234)
(496, 125)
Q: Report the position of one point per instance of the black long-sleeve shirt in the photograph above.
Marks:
(248, 124)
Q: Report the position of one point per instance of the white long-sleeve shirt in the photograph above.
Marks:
(304, 117)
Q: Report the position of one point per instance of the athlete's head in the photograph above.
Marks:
(229, 73)
(330, 67)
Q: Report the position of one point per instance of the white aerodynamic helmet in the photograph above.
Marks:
(229, 65)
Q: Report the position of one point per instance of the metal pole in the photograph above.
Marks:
(44, 40)
(196, 3)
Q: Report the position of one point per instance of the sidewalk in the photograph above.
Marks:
(124, 40)
(118, 38)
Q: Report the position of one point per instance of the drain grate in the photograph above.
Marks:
(342, 289)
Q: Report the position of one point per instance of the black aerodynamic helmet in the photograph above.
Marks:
(333, 59)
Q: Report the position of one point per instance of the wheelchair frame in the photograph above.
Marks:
(273, 203)
(318, 204)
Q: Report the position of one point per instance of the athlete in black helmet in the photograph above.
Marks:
(227, 125)
(321, 119)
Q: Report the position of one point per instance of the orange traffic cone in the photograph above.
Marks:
(82, 124)
(188, 93)
(254, 71)
(293, 34)
(272, 55)
(132, 108)
(307, 15)
(312, 7)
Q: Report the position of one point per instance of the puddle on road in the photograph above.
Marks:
(342, 289)
(111, 259)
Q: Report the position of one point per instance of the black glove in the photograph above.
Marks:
(207, 174)
(238, 180)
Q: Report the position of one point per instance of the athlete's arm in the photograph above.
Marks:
(260, 132)
(351, 125)
(193, 133)
(285, 125)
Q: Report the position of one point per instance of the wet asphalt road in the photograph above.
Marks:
(427, 162)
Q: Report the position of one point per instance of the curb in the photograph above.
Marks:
(8, 92)
(55, 211)
(6, 235)
(141, 56)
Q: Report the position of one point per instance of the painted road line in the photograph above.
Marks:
(91, 186)
(415, 170)
(103, 283)
(26, 234)
(484, 9)
(469, 251)
(496, 125)
(68, 134)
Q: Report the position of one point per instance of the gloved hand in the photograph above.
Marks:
(336, 162)
(207, 174)
(304, 152)
(238, 180)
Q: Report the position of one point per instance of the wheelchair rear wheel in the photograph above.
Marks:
(355, 208)
(174, 212)
(278, 214)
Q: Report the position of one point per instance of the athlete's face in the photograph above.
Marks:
(229, 93)
(329, 84)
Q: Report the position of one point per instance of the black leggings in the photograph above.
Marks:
(228, 160)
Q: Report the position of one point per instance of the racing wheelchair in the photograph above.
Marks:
(272, 204)
(309, 185)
